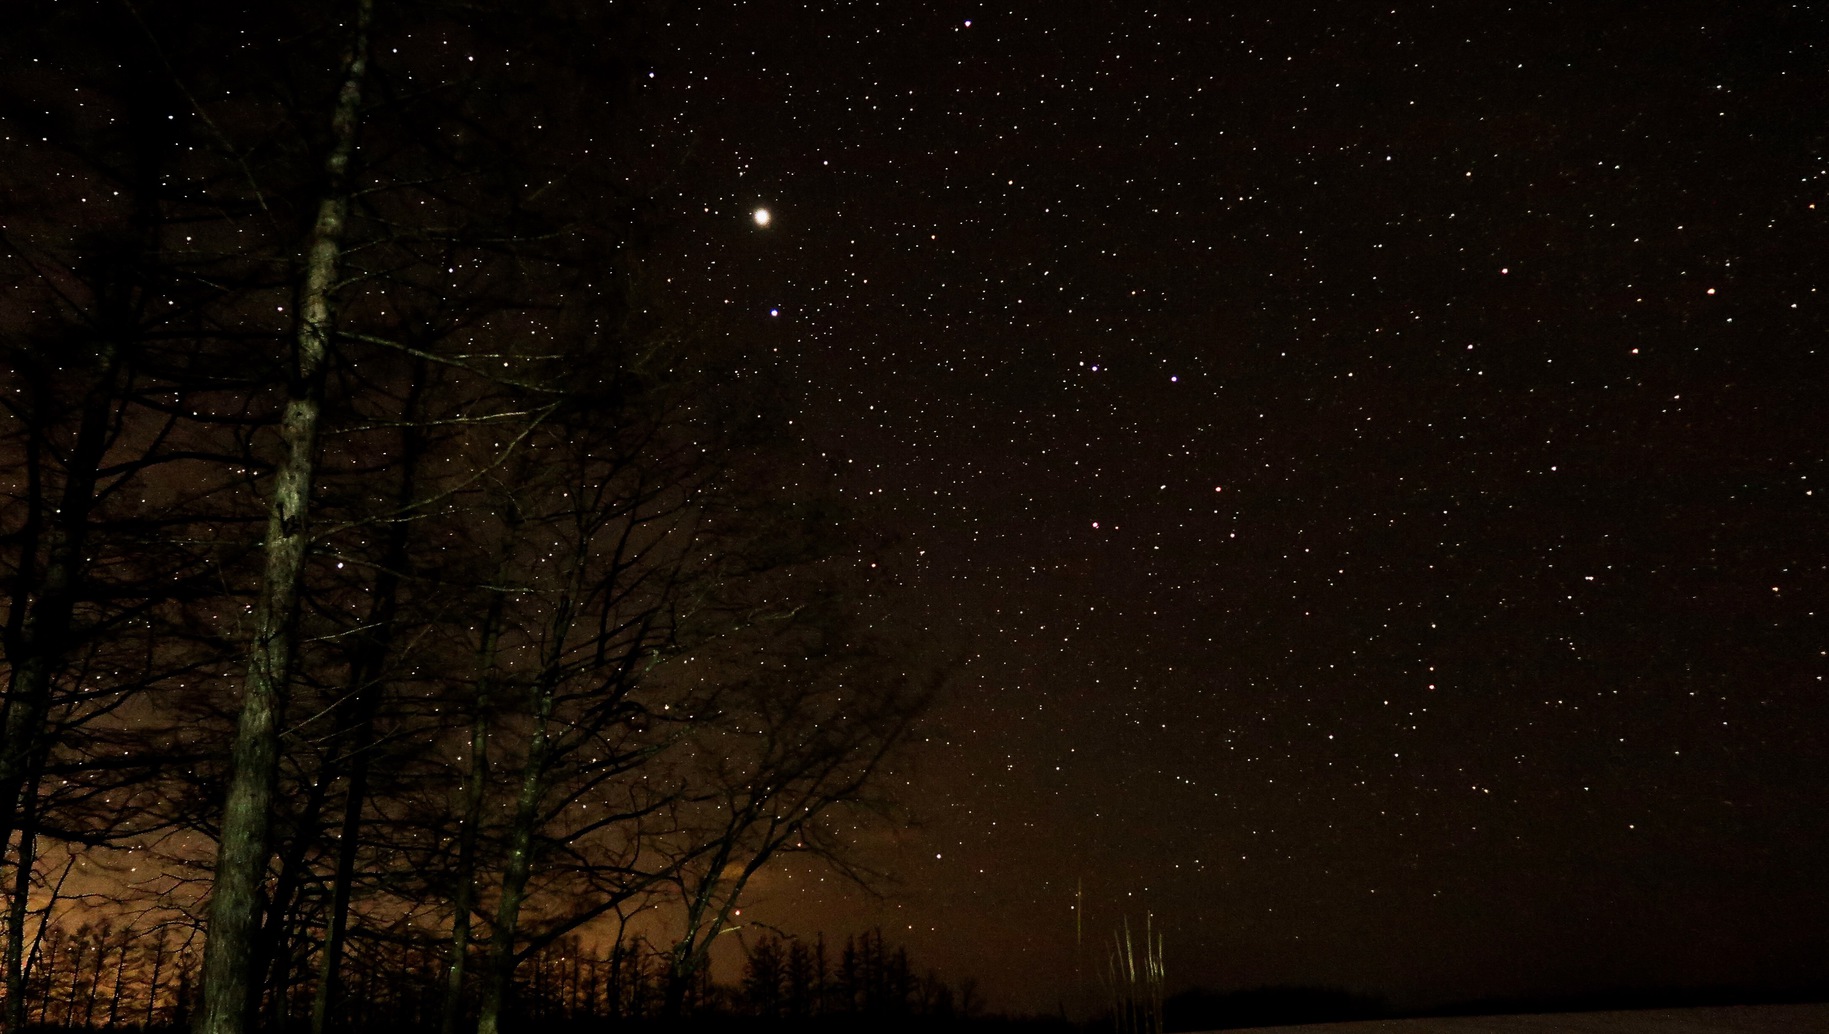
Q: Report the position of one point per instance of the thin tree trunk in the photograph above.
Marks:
(152, 983)
(95, 981)
(44, 965)
(468, 833)
(279, 992)
(38, 634)
(78, 955)
(43, 636)
(181, 1012)
(120, 985)
(336, 923)
(500, 972)
(272, 956)
(241, 858)
(16, 914)
(357, 742)
(464, 900)
(40, 956)
(499, 977)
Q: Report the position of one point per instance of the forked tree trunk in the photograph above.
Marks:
(241, 856)
(271, 960)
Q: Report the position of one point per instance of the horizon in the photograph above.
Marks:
(1344, 488)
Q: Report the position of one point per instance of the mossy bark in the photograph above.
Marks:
(243, 848)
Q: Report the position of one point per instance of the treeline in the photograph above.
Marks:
(396, 583)
(796, 979)
(103, 977)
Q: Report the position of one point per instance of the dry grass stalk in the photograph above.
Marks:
(1135, 981)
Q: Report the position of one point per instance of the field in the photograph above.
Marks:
(1737, 1019)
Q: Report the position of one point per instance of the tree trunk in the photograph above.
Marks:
(153, 987)
(95, 980)
(120, 985)
(357, 739)
(336, 922)
(42, 639)
(355, 736)
(515, 875)
(271, 959)
(16, 914)
(241, 858)
(39, 633)
(475, 783)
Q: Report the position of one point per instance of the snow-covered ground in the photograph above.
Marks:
(1733, 1019)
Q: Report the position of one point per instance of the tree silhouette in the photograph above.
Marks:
(389, 573)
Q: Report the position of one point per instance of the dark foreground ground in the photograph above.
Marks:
(1727, 1019)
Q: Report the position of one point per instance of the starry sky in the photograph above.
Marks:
(1365, 463)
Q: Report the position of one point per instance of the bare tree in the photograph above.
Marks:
(489, 549)
(104, 463)
(618, 555)
(242, 851)
(784, 761)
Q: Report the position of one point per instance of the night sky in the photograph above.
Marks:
(1364, 465)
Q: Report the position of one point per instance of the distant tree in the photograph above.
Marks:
(764, 978)
(785, 978)
(805, 977)
(784, 761)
